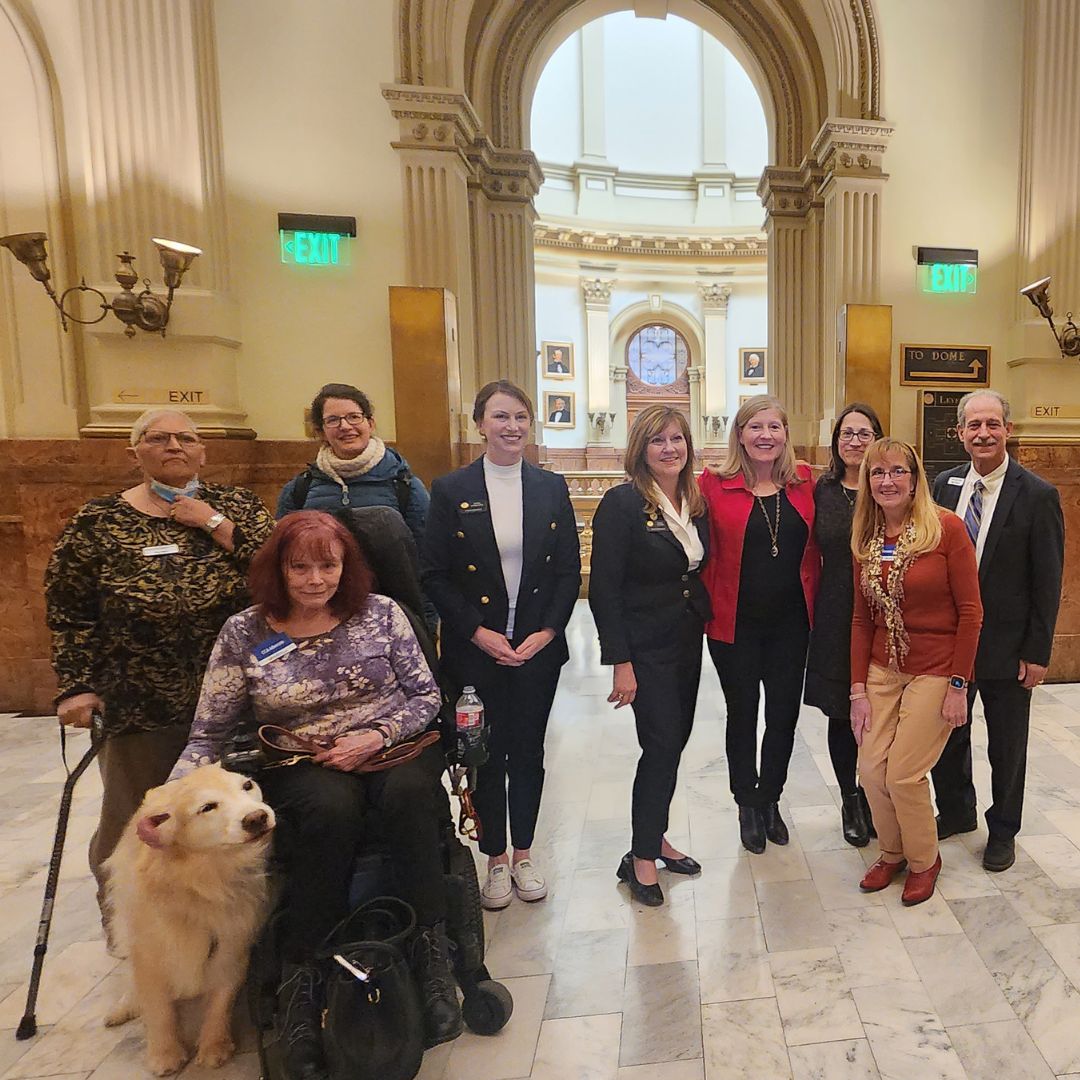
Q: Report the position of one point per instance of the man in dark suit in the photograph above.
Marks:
(559, 414)
(1014, 519)
(556, 364)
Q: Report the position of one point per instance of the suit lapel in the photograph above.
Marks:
(1010, 488)
(950, 493)
(536, 516)
(476, 524)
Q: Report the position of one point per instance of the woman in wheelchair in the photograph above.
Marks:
(325, 658)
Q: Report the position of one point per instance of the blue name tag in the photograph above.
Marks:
(273, 648)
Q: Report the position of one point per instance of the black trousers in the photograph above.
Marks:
(517, 702)
(1008, 711)
(843, 752)
(667, 689)
(322, 815)
(771, 653)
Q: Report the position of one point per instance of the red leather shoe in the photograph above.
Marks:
(920, 886)
(880, 875)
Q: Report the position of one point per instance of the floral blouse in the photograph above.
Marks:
(135, 627)
(368, 673)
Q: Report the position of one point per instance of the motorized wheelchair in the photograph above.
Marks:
(486, 1005)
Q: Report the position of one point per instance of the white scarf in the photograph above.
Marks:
(342, 470)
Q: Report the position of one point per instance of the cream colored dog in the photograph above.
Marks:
(187, 888)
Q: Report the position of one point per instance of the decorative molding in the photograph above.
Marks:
(853, 147)
(432, 118)
(617, 242)
(597, 291)
(714, 297)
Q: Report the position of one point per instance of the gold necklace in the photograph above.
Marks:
(774, 530)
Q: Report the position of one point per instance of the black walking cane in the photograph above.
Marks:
(27, 1028)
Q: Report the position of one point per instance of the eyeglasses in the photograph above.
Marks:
(163, 438)
(353, 419)
(894, 474)
(856, 435)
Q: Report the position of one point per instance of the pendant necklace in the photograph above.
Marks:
(774, 529)
(849, 495)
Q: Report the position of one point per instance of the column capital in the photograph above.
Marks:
(432, 117)
(597, 291)
(789, 193)
(850, 147)
(714, 297)
(505, 175)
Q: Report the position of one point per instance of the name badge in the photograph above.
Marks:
(473, 507)
(956, 481)
(162, 549)
(273, 648)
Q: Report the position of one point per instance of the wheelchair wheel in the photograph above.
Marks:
(487, 1009)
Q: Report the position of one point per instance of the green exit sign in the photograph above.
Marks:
(314, 248)
(948, 277)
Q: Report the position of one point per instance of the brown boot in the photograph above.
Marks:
(880, 875)
(920, 887)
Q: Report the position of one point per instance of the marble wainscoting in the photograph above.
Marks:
(770, 967)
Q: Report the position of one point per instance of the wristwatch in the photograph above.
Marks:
(213, 521)
(387, 738)
(957, 682)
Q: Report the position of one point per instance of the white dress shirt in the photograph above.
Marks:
(507, 520)
(683, 529)
(992, 482)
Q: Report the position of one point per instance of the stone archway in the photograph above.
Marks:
(466, 74)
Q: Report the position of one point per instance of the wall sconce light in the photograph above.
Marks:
(144, 310)
(1038, 292)
(602, 421)
(715, 425)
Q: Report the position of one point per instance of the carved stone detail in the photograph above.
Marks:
(597, 291)
(714, 297)
(562, 236)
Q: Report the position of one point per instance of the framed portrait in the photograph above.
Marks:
(559, 409)
(752, 365)
(744, 398)
(558, 359)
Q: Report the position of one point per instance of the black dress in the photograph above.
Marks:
(828, 664)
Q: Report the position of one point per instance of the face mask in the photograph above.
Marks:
(171, 494)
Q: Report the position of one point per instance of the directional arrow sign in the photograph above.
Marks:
(944, 365)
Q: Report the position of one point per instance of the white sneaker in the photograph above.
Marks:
(528, 881)
(498, 890)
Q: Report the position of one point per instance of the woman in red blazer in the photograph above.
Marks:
(762, 583)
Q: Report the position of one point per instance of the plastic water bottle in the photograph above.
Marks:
(469, 716)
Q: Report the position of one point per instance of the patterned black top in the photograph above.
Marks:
(137, 628)
(828, 664)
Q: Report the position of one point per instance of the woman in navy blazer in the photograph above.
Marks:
(650, 540)
(502, 566)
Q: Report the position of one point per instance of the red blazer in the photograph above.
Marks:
(730, 503)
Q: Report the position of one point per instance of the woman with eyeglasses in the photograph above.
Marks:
(354, 467)
(828, 674)
(913, 639)
(138, 587)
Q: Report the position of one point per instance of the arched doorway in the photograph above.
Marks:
(466, 72)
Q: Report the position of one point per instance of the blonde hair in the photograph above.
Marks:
(143, 422)
(925, 515)
(785, 467)
(647, 425)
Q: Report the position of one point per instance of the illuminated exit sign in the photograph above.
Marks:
(947, 270)
(315, 239)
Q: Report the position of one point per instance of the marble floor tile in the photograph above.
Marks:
(597, 902)
(584, 1047)
(1057, 857)
(928, 919)
(732, 960)
(1041, 996)
(589, 973)
(661, 1017)
(962, 990)
(905, 1034)
(724, 889)
(1062, 942)
(786, 863)
(792, 916)
(818, 828)
(1035, 898)
(870, 949)
(836, 877)
(993, 1051)
(812, 995)
(67, 977)
(849, 1060)
(664, 935)
(664, 1070)
(744, 1039)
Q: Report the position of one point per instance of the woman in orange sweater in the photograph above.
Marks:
(913, 639)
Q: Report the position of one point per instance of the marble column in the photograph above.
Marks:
(714, 404)
(597, 294)
(151, 165)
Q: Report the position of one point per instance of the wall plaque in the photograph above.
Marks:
(937, 443)
(937, 365)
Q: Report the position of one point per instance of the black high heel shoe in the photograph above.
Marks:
(649, 895)
(682, 865)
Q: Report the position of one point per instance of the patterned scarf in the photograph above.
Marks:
(889, 598)
(342, 470)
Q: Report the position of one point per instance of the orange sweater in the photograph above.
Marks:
(941, 609)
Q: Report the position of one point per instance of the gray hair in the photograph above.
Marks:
(999, 398)
(139, 428)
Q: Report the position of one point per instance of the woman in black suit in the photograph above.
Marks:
(650, 540)
(502, 566)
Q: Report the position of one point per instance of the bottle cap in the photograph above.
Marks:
(468, 690)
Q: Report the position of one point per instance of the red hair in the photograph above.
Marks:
(314, 534)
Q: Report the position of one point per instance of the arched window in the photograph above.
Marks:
(657, 356)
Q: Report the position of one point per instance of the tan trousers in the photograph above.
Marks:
(130, 766)
(905, 740)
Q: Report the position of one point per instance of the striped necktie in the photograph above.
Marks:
(973, 514)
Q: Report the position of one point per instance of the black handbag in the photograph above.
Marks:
(373, 1023)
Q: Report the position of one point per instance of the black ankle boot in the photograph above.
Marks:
(775, 828)
(438, 990)
(872, 832)
(853, 819)
(300, 1002)
(751, 829)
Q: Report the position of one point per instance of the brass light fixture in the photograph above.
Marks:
(1038, 292)
(143, 310)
